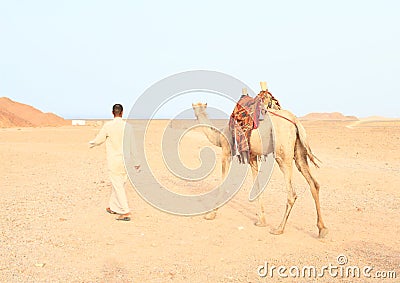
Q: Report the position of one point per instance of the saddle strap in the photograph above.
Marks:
(273, 113)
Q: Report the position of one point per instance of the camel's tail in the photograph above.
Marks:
(301, 132)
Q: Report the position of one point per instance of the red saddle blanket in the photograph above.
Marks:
(244, 118)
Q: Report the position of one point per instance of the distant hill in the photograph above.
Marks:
(378, 118)
(328, 116)
(15, 114)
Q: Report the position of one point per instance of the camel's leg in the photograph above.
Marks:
(261, 222)
(286, 167)
(302, 165)
(225, 166)
(225, 161)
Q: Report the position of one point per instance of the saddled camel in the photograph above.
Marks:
(290, 143)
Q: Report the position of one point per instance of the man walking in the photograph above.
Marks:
(113, 134)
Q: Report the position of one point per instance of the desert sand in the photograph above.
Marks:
(54, 191)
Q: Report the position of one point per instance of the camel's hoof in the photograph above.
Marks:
(210, 216)
(260, 224)
(276, 231)
(323, 232)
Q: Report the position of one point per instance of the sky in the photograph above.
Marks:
(78, 58)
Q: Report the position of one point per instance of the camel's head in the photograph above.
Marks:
(199, 108)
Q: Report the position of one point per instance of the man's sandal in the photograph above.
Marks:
(110, 211)
(124, 217)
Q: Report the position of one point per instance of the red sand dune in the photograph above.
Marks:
(15, 114)
(328, 116)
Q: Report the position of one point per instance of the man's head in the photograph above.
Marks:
(117, 110)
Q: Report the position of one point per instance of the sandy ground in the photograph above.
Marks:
(54, 227)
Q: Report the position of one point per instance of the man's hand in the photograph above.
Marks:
(137, 168)
(91, 144)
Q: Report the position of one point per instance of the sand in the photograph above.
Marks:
(54, 227)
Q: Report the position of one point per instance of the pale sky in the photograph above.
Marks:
(77, 58)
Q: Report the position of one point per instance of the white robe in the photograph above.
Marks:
(113, 134)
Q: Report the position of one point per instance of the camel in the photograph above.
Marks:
(290, 144)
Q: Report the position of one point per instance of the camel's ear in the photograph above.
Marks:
(205, 105)
(192, 104)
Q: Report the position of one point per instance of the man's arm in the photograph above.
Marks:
(100, 138)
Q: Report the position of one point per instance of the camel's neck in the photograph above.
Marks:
(211, 133)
